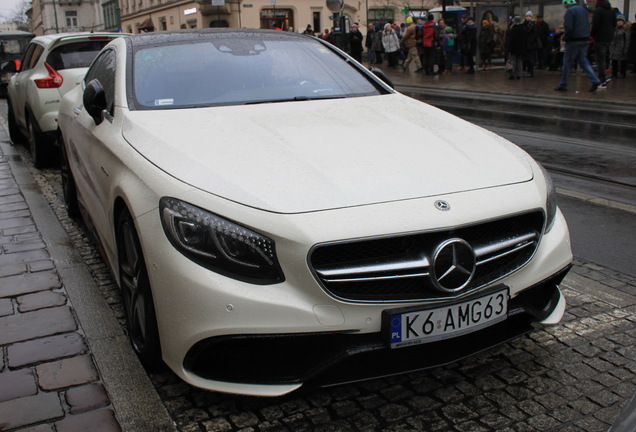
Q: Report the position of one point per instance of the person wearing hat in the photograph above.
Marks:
(619, 48)
(409, 45)
(576, 36)
(355, 42)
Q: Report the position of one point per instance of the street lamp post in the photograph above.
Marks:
(338, 34)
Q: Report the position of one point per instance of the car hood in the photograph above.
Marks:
(306, 156)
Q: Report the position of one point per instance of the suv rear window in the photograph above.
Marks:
(75, 55)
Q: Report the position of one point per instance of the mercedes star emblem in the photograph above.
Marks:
(454, 265)
(442, 205)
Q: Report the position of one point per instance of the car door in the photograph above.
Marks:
(21, 81)
(91, 150)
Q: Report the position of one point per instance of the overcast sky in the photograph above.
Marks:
(7, 7)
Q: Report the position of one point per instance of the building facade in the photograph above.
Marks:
(63, 16)
(136, 16)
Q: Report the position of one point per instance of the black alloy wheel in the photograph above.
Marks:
(35, 145)
(69, 190)
(136, 291)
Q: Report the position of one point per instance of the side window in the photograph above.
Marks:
(37, 53)
(31, 56)
(103, 70)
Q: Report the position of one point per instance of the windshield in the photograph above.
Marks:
(243, 70)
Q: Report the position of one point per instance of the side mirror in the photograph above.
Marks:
(94, 100)
(378, 72)
(9, 66)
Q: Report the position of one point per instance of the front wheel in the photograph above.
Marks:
(135, 286)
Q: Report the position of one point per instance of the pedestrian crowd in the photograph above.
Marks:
(604, 49)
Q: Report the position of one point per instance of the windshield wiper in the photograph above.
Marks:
(294, 99)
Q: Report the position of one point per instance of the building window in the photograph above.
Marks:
(71, 19)
(317, 25)
(277, 19)
(112, 19)
(380, 16)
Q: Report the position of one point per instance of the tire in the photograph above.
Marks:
(16, 135)
(137, 294)
(69, 190)
(37, 146)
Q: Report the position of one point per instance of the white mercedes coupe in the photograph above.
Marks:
(276, 215)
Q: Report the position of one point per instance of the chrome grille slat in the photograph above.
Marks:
(366, 268)
(376, 278)
(507, 252)
(481, 251)
(400, 268)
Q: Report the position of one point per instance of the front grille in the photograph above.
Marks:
(400, 268)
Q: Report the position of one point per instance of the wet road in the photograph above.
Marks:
(600, 233)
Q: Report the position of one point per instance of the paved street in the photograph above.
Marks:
(66, 363)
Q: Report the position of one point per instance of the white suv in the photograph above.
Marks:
(52, 65)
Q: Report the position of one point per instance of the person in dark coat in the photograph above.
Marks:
(486, 44)
(543, 31)
(603, 25)
(469, 44)
(533, 44)
(458, 42)
(516, 44)
(355, 42)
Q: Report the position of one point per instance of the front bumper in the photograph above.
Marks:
(336, 357)
(225, 335)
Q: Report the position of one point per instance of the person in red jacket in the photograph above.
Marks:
(429, 42)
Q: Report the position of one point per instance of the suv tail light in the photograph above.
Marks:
(54, 80)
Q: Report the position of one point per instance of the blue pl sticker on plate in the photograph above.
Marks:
(396, 328)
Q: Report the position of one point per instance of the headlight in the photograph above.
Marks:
(551, 201)
(219, 244)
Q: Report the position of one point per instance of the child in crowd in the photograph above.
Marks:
(619, 49)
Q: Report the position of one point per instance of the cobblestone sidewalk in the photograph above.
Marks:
(47, 373)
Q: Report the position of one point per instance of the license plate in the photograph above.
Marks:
(429, 325)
